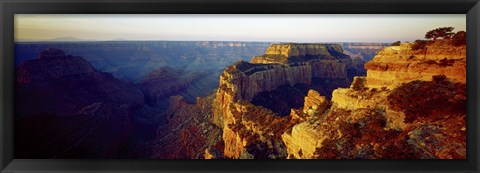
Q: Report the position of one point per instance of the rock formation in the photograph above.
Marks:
(406, 94)
(73, 79)
(314, 103)
(246, 127)
(398, 64)
(65, 108)
(297, 101)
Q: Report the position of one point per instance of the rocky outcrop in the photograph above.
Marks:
(410, 105)
(65, 108)
(284, 64)
(54, 79)
(51, 64)
(314, 103)
(398, 64)
(250, 79)
(294, 52)
(302, 139)
(247, 127)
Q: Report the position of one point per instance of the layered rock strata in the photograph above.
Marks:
(406, 94)
(246, 127)
(398, 64)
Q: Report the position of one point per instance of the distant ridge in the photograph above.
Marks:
(67, 39)
(58, 39)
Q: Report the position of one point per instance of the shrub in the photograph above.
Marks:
(443, 32)
(419, 44)
(428, 99)
(460, 38)
(359, 139)
(439, 78)
(358, 84)
(446, 62)
(397, 43)
(430, 62)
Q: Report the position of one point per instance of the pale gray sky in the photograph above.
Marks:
(276, 28)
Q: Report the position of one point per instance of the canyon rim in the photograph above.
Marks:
(160, 99)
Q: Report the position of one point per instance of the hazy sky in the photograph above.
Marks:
(276, 28)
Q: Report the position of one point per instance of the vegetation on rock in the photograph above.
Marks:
(443, 32)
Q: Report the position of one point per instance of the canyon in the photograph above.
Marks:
(204, 61)
(282, 64)
(367, 119)
(293, 101)
(134, 60)
(66, 108)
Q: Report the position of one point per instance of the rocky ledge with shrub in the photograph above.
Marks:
(411, 105)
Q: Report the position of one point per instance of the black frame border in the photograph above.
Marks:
(10, 7)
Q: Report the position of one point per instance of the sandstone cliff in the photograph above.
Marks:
(419, 117)
(293, 52)
(398, 64)
(248, 128)
(410, 105)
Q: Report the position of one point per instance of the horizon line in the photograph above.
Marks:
(76, 41)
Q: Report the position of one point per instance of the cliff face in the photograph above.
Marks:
(302, 139)
(249, 79)
(247, 127)
(285, 53)
(398, 64)
(65, 108)
(410, 105)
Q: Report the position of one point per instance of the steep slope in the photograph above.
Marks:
(415, 110)
(65, 108)
(398, 64)
(251, 131)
